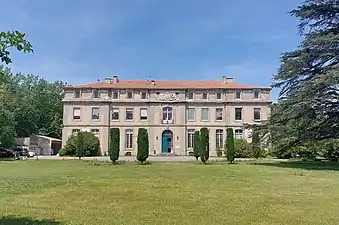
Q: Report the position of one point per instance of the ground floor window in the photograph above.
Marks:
(190, 138)
(129, 138)
(239, 134)
(219, 138)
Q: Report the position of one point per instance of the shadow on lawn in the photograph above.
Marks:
(306, 165)
(12, 220)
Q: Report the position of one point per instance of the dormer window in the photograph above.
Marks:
(115, 94)
(77, 93)
(238, 94)
(95, 93)
(256, 94)
(129, 94)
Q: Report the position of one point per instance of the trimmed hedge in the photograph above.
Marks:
(143, 145)
(204, 144)
(230, 145)
(114, 146)
(196, 142)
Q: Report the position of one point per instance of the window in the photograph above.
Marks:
(237, 94)
(190, 95)
(129, 94)
(167, 113)
(109, 93)
(143, 95)
(256, 94)
(190, 114)
(115, 114)
(239, 134)
(129, 138)
(129, 113)
(204, 114)
(219, 138)
(256, 113)
(77, 93)
(115, 95)
(95, 93)
(204, 95)
(75, 131)
(218, 95)
(96, 132)
(76, 113)
(143, 113)
(95, 113)
(238, 114)
(190, 138)
(218, 114)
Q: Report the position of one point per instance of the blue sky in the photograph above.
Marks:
(80, 41)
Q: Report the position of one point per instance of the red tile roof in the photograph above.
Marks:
(167, 84)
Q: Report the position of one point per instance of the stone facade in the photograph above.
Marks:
(170, 110)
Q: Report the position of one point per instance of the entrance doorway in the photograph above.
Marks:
(167, 141)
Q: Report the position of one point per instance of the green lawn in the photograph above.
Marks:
(75, 192)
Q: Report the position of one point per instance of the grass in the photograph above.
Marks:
(76, 192)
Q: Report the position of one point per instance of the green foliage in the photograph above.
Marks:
(242, 149)
(13, 39)
(114, 147)
(230, 145)
(36, 105)
(79, 145)
(256, 148)
(196, 143)
(63, 152)
(85, 145)
(204, 145)
(143, 145)
(307, 111)
(7, 130)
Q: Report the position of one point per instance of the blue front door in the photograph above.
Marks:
(164, 143)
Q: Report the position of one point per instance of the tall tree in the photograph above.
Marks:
(196, 143)
(204, 145)
(114, 147)
(308, 105)
(230, 151)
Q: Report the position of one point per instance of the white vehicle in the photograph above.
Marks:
(31, 154)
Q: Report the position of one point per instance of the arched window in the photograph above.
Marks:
(167, 113)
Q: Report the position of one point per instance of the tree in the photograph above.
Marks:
(114, 147)
(196, 143)
(7, 131)
(256, 144)
(85, 145)
(230, 145)
(13, 39)
(143, 145)
(204, 145)
(79, 145)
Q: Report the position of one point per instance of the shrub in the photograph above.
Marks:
(204, 144)
(196, 143)
(256, 148)
(219, 151)
(89, 144)
(242, 149)
(230, 145)
(143, 145)
(62, 152)
(114, 147)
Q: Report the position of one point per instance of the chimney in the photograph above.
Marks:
(227, 80)
(108, 80)
(115, 79)
(153, 82)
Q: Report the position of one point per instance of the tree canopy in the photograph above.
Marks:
(308, 106)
